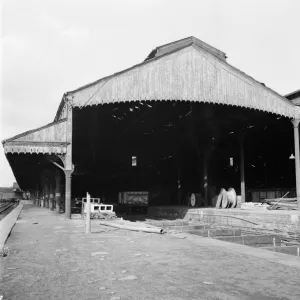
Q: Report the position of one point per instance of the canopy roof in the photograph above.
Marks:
(49, 139)
(186, 70)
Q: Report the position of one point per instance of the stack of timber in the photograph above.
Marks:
(254, 205)
(282, 203)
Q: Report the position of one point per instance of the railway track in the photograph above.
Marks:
(5, 207)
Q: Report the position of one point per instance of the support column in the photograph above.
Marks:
(242, 169)
(43, 196)
(51, 196)
(47, 195)
(68, 159)
(68, 174)
(57, 191)
(297, 158)
(37, 195)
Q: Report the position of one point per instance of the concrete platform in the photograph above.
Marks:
(271, 219)
(7, 224)
(50, 257)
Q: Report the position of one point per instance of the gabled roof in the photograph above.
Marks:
(186, 70)
(171, 47)
(293, 95)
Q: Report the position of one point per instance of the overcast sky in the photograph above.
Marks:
(49, 47)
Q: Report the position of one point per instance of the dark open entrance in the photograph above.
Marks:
(169, 140)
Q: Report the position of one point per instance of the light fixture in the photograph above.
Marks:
(292, 156)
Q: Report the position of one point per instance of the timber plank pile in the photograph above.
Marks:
(282, 204)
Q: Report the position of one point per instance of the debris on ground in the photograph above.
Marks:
(254, 205)
(129, 277)
(101, 216)
(282, 204)
(133, 226)
(99, 253)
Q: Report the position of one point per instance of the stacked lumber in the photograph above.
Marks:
(282, 203)
(254, 205)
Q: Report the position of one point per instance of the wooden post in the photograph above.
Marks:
(297, 158)
(68, 174)
(88, 214)
(57, 191)
(242, 169)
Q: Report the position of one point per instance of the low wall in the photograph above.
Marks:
(7, 224)
(281, 220)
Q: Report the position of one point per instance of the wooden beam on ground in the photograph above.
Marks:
(265, 240)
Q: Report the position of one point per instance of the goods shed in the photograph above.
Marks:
(182, 121)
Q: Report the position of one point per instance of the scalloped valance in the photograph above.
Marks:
(35, 147)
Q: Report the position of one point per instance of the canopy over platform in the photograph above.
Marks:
(186, 70)
(47, 139)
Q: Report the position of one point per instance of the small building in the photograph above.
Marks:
(294, 97)
(11, 193)
(183, 120)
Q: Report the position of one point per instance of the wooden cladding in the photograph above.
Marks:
(190, 74)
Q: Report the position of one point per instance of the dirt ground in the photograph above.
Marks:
(52, 258)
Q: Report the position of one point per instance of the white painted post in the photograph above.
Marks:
(297, 158)
(88, 214)
(242, 169)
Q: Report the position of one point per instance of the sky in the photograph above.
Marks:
(49, 47)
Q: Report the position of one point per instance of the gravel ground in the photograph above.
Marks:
(51, 258)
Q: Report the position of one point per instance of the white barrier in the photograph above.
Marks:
(97, 206)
